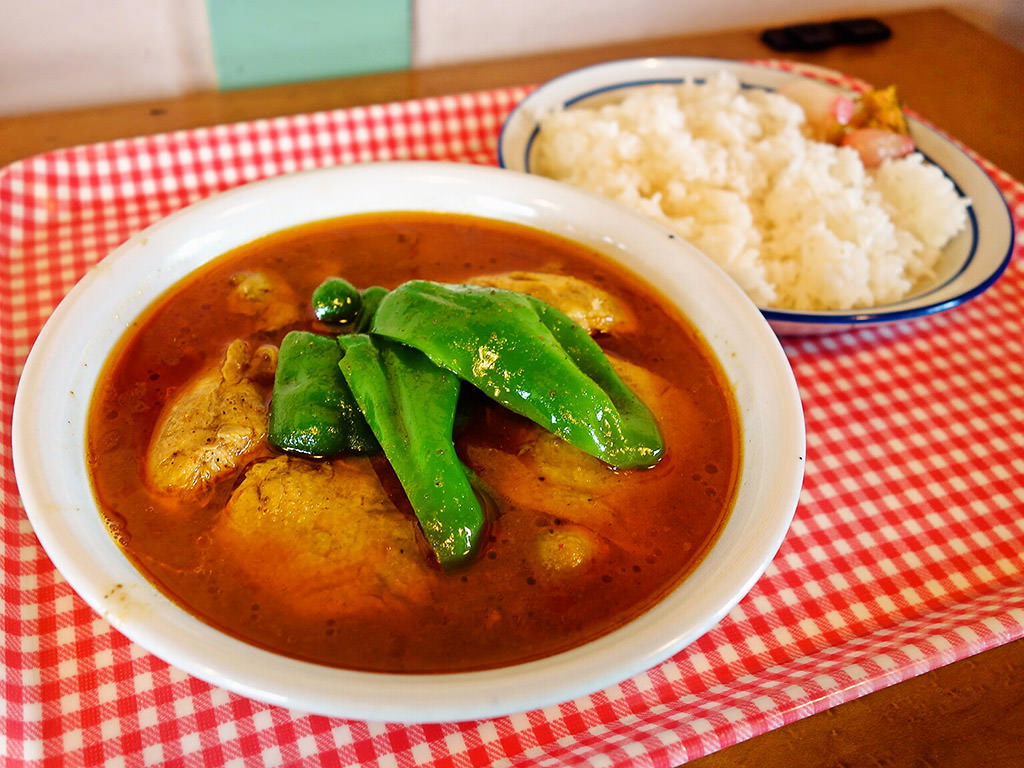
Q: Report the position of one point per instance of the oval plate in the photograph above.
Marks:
(969, 264)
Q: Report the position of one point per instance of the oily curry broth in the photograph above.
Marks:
(573, 549)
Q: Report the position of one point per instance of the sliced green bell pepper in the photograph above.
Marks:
(639, 427)
(410, 404)
(370, 301)
(530, 358)
(337, 302)
(312, 411)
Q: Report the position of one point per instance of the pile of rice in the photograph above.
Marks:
(797, 223)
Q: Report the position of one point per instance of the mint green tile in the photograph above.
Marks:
(264, 42)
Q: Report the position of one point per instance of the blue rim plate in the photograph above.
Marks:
(969, 264)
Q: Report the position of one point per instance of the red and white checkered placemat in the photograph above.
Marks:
(906, 553)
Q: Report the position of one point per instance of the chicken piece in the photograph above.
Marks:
(547, 473)
(214, 424)
(594, 309)
(323, 538)
(265, 296)
(550, 475)
(565, 549)
(262, 366)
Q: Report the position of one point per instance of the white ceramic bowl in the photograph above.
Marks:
(969, 264)
(54, 393)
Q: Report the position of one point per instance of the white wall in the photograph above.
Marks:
(453, 30)
(56, 54)
(1003, 18)
(447, 31)
(67, 53)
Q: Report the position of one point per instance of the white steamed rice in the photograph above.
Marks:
(797, 223)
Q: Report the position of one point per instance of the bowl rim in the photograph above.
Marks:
(968, 279)
(57, 497)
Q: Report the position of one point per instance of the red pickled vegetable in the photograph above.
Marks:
(876, 145)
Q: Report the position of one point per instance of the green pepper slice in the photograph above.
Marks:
(336, 301)
(370, 301)
(410, 404)
(530, 358)
(639, 427)
(312, 411)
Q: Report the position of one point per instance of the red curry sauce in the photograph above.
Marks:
(655, 524)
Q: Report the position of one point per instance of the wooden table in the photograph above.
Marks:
(961, 79)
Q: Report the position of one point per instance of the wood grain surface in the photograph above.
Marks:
(969, 84)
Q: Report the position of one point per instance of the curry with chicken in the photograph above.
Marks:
(326, 556)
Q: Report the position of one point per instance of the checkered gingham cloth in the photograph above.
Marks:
(906, 553)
